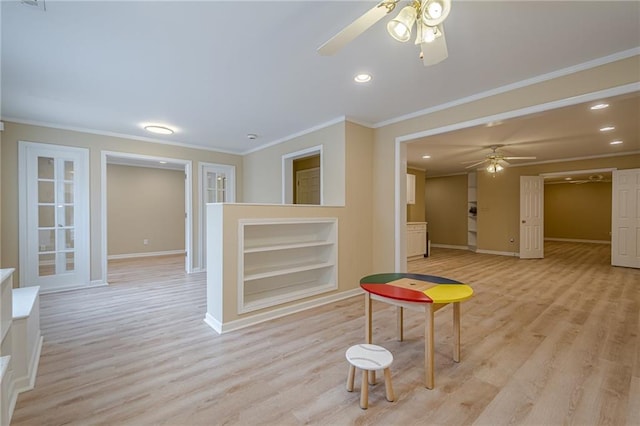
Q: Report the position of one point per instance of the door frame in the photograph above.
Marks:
(85, 243)
(231, 198)
(187, 202)
(401, 150)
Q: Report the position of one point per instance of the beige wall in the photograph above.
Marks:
(15, 132)
(446, 206)
(603, 77)
(499, 206)
(415, 212)
(144, 203)
(263, 168)
(499, 199)
(578, 211)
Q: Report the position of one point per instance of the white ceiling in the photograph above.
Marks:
(217, 71)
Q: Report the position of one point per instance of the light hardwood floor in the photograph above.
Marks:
(544, 342)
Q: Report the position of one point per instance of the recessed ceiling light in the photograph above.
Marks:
(615, 142)
(426, 156)
(599, 106)
(362, 78)
(567, 178)
(160, 130)
(162, 162)
(607, 128)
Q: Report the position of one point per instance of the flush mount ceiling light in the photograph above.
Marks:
(427, 15)
(599, 106)
(362, 78)
(158, 129)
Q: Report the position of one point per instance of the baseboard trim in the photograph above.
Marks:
(573, 240)
(221, 327)
(449, 246)
(148, 254)
(499, 253)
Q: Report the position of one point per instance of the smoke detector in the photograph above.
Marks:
(37, 4)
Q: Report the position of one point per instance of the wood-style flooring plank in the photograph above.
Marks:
(544, 341)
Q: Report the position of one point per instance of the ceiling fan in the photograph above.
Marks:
(428, 15)
(497, 161)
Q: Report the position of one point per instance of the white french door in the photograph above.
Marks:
(531, 217)
(625, 218)
(217, 183)
(54, 216)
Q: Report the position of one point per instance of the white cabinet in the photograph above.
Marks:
(472, 212)
(416, 239)
(411, 189)
(285, 260)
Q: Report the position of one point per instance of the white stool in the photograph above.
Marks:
(369, 358)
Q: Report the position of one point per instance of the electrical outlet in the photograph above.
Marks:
(145, 242)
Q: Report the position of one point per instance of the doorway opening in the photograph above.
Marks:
(578, 206)
(162, 174)
(302, 177)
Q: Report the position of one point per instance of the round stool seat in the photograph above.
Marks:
(369, 357)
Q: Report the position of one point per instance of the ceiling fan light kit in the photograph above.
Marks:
(400, 27)
(427, 15)
(497, 161)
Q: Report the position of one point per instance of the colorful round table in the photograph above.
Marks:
(425, 293)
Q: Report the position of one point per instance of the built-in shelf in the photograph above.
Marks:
(472, 211)
(285, 260)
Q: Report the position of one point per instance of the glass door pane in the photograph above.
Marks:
(56, 252)
(215, 191)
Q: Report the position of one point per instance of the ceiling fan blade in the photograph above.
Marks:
(436, 51)
(357, 27)
(519, 158)
(475, 164)
(503, 162)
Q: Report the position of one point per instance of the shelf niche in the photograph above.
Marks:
(285, 260)
(472, 211)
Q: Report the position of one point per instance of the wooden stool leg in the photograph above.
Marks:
(456, 331)
(388, 386)
(364, 391)
(368, 333)
(352, 373)
(372, 377)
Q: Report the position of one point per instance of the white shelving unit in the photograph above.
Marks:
(472, 206)
(285, 260)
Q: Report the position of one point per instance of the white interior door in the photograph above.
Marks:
(217, 184)
(54, 216)
(531, 217)
(625, 218)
